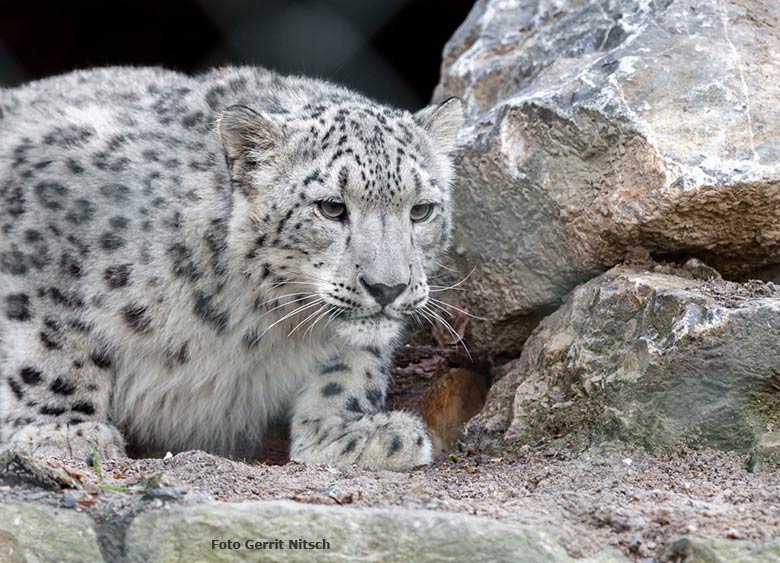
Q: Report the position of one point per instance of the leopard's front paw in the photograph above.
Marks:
(397, 441)
(78, 441)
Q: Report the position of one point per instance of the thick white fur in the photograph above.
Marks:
(220, 394)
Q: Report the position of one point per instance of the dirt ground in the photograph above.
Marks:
(608, 495)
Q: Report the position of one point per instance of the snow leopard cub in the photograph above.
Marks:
(185, 260)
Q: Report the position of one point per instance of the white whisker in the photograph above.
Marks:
(287, 303)
(452, 331)
(280, 284)
(442, 309)
(333, 316)
(306, 319)
(416, 317)
(460, 282)
(290, 314)
(266, 302)
(427, 317)
(304, 275)
(456, 308)
(310, 330)
(277, 299)
(440, 265)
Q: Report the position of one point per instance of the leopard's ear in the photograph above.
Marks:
(248, 136)
(442, 122)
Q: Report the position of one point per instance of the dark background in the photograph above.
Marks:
(388, 49)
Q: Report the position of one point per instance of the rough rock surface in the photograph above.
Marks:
(765, 456)
(699, 550)
(656, 359)
(599, 126)
(32, 534)
(185, 534)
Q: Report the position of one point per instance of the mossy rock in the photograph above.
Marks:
(692, 549)
(654, 359)
(766, 454)
(33, 534)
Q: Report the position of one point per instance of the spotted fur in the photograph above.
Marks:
(168, 275)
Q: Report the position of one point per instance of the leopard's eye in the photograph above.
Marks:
(332, 210)
(421, 212)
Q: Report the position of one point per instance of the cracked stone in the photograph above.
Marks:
(598, 127)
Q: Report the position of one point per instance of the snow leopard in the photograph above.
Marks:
(187, 260)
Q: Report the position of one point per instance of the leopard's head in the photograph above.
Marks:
(344, 208)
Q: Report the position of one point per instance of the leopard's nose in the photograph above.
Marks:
(383, 294)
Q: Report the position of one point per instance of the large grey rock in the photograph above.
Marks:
(651, 358)
(598, 126)
(37, 534)
(692, 549)
(354, 534)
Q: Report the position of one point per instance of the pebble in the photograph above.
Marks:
(734, 534)
(195, 497)
(338, 494)
(626, 521)
(164, 493)
(68, 500)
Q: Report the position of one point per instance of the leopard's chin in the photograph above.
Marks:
(382, 316)
(374, 330)
(377, 317)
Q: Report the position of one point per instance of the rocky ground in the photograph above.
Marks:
(605, 496)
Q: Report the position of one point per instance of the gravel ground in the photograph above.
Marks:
(609, 495)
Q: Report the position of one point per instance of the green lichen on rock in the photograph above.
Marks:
(654, 359)
(766, 402)
(766, 453)
(648, 428)
(541, 420)
(692, 549)
(32, 534)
